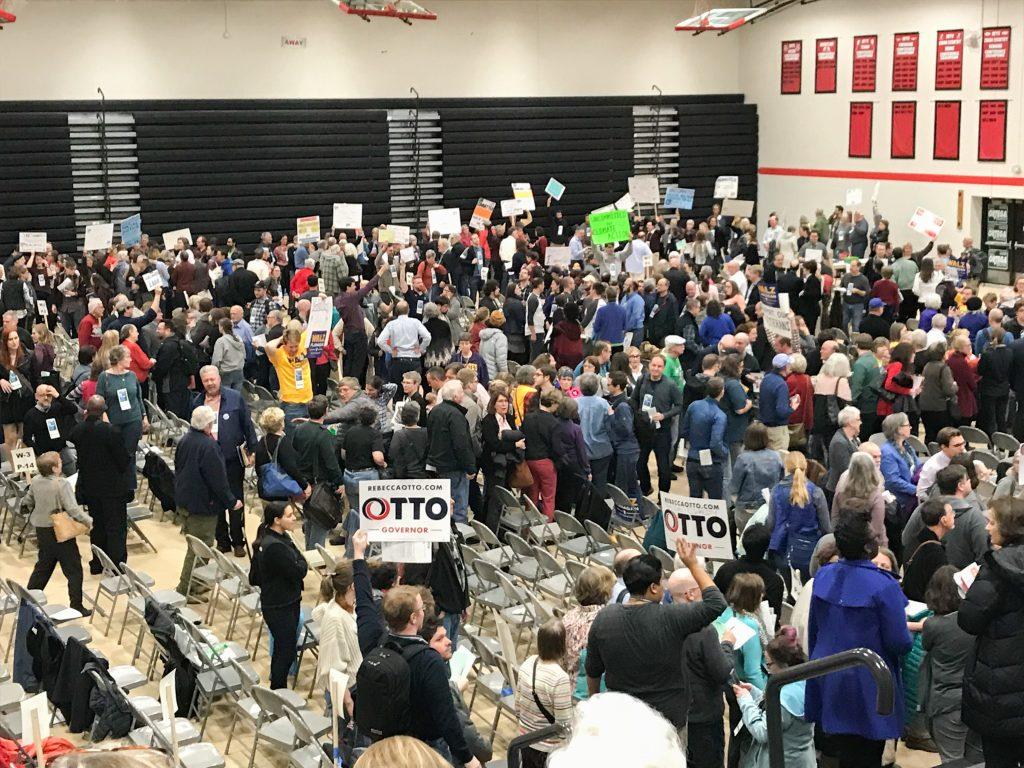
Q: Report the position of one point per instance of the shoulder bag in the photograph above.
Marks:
(277, 484)
(536, 699)
(66, 527)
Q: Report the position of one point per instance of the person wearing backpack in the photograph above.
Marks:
(402, 685)
(177, 362)
(278, 569)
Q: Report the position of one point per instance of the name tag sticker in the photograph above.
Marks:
(15, 381)
(300, 382)
(51, 427)
(122, 398)
(705, 457)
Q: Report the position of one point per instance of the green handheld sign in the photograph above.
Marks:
(609, 227)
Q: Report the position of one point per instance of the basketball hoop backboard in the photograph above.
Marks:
(719, 20)
(405, 10)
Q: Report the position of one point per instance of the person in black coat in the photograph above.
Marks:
(503, 448)
(662, 316)
(234, 431)
(994, 370)
(102, 486)
(201, 489)
(173, 372)
(993, 611)
(47, 426)
(278, 570)
(808, 298)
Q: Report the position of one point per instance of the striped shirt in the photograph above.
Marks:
(554, 690)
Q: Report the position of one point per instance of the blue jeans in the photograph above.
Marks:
(703, 479)
(293, 411)
(852, 315)
(351, 524)
(451, 623)
(625, 473)
(460, 493)
(232, 379)
(315, 533)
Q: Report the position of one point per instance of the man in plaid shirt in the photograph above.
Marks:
(333, 267)
(261, 306)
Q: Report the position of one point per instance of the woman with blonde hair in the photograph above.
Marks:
(797, 517)
(108, 341)
(401, 750)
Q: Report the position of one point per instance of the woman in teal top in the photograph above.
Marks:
(744, 597)
(120, 388)
(797, 734)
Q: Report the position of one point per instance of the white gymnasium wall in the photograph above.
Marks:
(810, 131)
(176, 49)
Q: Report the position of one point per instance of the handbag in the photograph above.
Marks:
(521, 476)
(323, 506)
(277, 484)
(66, 527)
(797, 435)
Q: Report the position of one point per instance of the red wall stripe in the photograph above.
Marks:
(940, 178)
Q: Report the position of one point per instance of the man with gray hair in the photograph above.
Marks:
(90, 331)
(201, 489)
(844, 443)
(406, 339)
(450, 449)
(595, 419)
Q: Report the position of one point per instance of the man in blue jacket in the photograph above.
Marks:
(232, 428)
(610, 321)
(774, 404)
(201, 489)
(704, 430)
(635, 308)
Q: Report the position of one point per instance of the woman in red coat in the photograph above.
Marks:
(799, 383)
(966, 378)
(899, 385)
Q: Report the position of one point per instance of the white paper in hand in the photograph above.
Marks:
(461, 663)
(741, 631)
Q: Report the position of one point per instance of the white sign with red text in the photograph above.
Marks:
(703, 522)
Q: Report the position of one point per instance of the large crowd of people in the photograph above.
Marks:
(846, 453)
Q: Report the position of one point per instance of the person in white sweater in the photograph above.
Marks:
(339, 643)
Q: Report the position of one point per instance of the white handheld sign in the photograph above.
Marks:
(405, 510)
(703, 522)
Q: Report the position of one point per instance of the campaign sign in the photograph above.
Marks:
(98, 237)
(481, 218)
(555, 188)
(700, 521)
(406, 510)
(348, 216)
(927, 223)
(679, 197)
(32, 242)
(644, 189)
(609, 227)
(727, 186)
(131, 230)
(307, 229)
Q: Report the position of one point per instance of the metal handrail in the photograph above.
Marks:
(855, 657)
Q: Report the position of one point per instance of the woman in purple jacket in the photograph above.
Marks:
(854, 604)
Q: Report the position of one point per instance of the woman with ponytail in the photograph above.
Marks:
(797, 517)
(339, 643)
(782, 651)
(278, 568)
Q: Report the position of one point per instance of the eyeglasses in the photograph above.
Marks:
(634, 357)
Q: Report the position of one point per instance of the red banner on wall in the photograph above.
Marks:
(947, 131)
(825, 52)
(949, 60)
(865, 61)
(904, 130)
(995, 58)
(905, 49)
(792, 61)
(860, 128)
(992, 131)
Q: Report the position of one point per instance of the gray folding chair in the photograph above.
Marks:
(603, 548)
(574, 542)
(975, 437)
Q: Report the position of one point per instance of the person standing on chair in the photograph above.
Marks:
(201, 489)
(278, 568)
(103, 468)
(48, 494)
(232, 429)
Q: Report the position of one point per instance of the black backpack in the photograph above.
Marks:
(188, 357)
(384, 705)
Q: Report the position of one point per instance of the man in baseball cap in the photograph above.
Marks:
(775, 404)
(874, 324)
